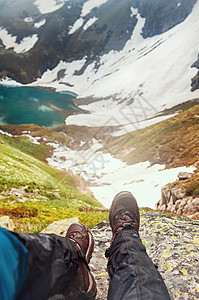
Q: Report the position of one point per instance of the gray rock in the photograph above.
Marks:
(172, 242)
(174, 200)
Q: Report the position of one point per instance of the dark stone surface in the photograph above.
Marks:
(172, 242)
(195, 79)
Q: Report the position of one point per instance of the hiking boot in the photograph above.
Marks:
(124, 212)
(83, 287)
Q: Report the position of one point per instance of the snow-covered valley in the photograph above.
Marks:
(108, 175)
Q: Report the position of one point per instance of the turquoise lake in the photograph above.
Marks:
(27, 105)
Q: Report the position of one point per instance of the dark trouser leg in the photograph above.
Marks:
(133, 274)
(53, 263)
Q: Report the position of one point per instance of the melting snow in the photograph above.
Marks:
(136, 37)
(50, 75)
(89, 23)
(26, 44)
(134, 11)
(39, 24)
(9, 41)
(90, 4)
(78, 24)
(49, 6)
(6, 133)
(108, 175)
(28, 19)
(9, 82)
(32, 139)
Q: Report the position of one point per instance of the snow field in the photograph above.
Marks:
(108, 175)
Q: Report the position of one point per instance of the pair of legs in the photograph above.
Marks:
(56, 265)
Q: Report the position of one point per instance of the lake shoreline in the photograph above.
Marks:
(30, 105)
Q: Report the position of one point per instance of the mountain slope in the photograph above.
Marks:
(35, 195)
(136, 57)
(134, 161)
(135, 83)
(174, 142)
(69, 30)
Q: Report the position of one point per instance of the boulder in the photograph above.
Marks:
(7, 223)
(195, 202)
(174, 200)
(60, 227)
(184, 175)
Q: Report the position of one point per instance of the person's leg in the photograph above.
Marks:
(59, 265)
(133, 274)
(52, 265)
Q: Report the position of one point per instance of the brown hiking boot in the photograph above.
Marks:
(83, 287)
(124, 211)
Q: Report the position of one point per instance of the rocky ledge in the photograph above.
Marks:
(172, 243)
(174, 199)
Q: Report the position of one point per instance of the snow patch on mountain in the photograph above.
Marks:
(136, 37)
(89, 5)
(78, 24)
(9, 41)
(39, 24)
(90, 22)
(28, 19)
(46, 7)
(50, 76)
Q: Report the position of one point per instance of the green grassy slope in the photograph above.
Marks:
(174, 142)
(34, 194)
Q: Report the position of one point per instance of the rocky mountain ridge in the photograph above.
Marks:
(105, 26)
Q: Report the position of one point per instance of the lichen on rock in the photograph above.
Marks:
(172, 242)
